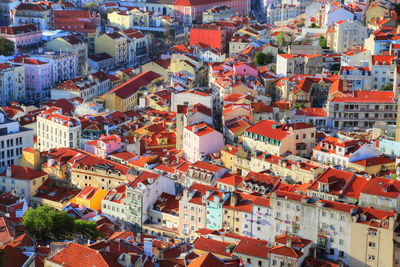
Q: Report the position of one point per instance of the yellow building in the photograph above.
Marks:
(235, 213)
(114, 44)
(159, 66)
(30, 158)
(90, 197)
(373, 165)
(125, 74)
(100, 173)
(127, 19)
(120, 19)
(194, 66)
(373, 240)
(22, 180)
(126, 96)
(375, 11)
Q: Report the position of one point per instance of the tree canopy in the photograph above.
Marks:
(387, 87)
(262, 59)
(280, 39)
(6, 47)
(46, 223)
(322, 42)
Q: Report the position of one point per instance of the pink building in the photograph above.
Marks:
(26, 37)
(243, 69)
(104, 146)
(200, 140)
(38, 76)
(189, 11)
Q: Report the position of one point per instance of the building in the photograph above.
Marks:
(142, 193)
(217, 13)
(190, 12)
(202, 172)
(361, 109)
(90, 197)
(200, 140)
(38, 76)
(104, 146)
(289, 64)
(126, 96)
(26, 38)
(13, 139)
(114, 203)
(64, 65)
(38, 14)
(87, 88)
(348, 35)
(357, 78)
(72, 44)
(55, 130)
(189, 115)
(82, 21)
(90, 170)
(114, 44)
(383, 69)
(138, 47)
(23, 181)
(279, 139)
(336, 152)
(372, 237)
(12, 83)
(211, 35)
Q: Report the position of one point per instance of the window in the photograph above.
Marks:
(371, 257)
(371, 244)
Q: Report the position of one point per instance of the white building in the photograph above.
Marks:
(55, 130)
(383, 70)
(13, 139)
(193, 97)
(334, 151)
(362, 109)
(12, 83)
(348, 34)
(200, 140)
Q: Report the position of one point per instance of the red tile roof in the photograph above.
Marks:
(75, 255)
(133, 85)
(24, 173)
(213, 246)
(384, 187)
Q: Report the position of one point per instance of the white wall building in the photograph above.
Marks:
(200, 140)
(13, 139)
(55, 130)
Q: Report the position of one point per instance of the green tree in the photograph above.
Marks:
(322, 42)
(6, 47)
(86, 229)
(313, 25)
(387, 87)
(280, 39)
(262, 59)
(45, 222)
(91, 6)
(298, 106)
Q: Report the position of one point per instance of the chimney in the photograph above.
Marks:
(233, 199)
(8, 171)
(288, 241)
(148, 247)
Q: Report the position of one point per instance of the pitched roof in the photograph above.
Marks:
(75, 255)
(133, 85)
(24, 173)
